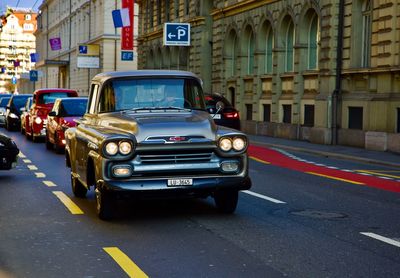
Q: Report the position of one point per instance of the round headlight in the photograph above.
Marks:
(225, 144)
(238, 144)
(125, 147)
(111, 148)
(38, 120)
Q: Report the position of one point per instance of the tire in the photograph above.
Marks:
(57, 148)
(226, 200)
(78, 188)
(49, 145)
(104, 204)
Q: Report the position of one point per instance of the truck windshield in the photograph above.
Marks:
(126, 94)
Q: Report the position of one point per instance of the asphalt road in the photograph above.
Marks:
(291, 224)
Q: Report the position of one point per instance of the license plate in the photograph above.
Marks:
(180, 182)
(216, 116)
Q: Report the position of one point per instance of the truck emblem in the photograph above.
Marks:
(177, 139)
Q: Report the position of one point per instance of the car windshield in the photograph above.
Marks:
(179, 93)
(4, 101)
(73, 107)
(51, 97)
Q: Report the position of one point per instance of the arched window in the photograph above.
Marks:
(289, 43)
(366, 35)
(230, 54)
(269, 39)
(250, 51)
(313, 38)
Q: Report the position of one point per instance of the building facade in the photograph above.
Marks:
(323, 71)
(17, 42)
(75, 24)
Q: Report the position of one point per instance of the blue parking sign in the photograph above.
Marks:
(177, 34)
(126, 55)
(14, 80)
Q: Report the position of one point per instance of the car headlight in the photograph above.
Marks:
(111, 148)
(238, 144)
(38, 120)
(125, 148)
(12, 115)
(225, 144)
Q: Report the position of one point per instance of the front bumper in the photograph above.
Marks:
(158, 188)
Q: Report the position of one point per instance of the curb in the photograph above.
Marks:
(327, 154)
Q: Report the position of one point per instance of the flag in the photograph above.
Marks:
(34, 57)
(121, 18)
(16, 63)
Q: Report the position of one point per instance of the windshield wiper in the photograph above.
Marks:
(151, 108)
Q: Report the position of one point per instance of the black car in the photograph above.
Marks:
(3, 104)
(222, 111)
(13, 111)
(8, 153)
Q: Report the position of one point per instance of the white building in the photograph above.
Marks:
(79, 24)
(17, 42)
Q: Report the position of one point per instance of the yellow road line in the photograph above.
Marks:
(32, 167)
(378, 173)
(259, 160)
(40, 175)
(21, 155)
(125, 262)
(73, 208)
(334, 178)
(27, 161)
(49, 183)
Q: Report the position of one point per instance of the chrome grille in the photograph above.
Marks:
(175, 158)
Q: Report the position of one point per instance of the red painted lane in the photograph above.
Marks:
(278, 159)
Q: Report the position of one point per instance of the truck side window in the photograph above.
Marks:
(93, 97)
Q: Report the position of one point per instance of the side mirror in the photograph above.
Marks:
(53, 113)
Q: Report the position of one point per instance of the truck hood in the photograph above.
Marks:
(152, 125)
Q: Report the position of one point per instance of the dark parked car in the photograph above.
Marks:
(8, 152)
(25, 114)
(13, 111)
(3, 106)
(222, 111)
(147, 134)
(64, 114)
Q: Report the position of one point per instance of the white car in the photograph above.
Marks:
(3, 105)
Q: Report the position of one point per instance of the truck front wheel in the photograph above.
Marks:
(226, 200)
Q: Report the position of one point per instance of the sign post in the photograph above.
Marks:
(177, 34)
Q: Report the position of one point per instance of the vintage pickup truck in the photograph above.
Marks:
(147, 134)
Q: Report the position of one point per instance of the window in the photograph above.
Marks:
(398, 120)
(158, 12)
(176, 8)
(355, 117)
(366, 35)
(187, 6)
(167, 11)
(267, 112)
(250, 53)
(268, 52)
(308, 115)
(28, 17)
(150, 13)
(289, 43)
(287, 113)
(313, 43)
(249, 112)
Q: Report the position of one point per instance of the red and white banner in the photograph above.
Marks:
(127, 32)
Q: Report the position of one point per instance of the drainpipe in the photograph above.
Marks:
(338, 83)
(115, 42)
(69, 44)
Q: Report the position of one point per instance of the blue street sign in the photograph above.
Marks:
(83, 49)
(177, 34)
(126, 55)
(14, 80)
(33, 75)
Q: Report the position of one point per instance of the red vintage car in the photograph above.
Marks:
(43, 101)
(63, 115)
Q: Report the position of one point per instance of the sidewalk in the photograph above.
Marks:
(349, 153)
